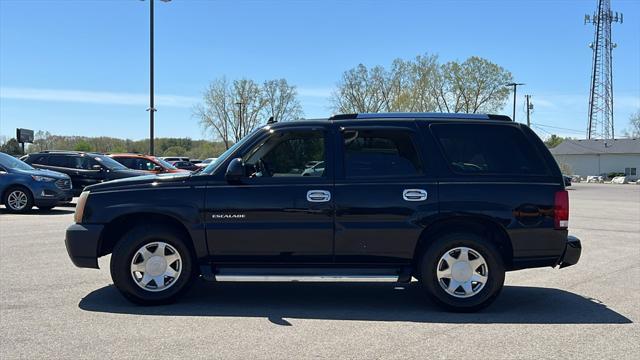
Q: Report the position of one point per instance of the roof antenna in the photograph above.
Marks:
(271, 120)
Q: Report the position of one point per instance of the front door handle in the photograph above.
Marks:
(415, 195)
(318, 196)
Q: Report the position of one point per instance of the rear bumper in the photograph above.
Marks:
(82, 241)
(572, 252)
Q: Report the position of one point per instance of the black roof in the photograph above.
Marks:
(67, 152)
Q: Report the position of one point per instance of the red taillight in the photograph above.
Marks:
(561, 209)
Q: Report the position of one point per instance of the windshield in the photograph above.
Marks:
(9, 162)
(110, 163)
(211, 168)
(166, 164)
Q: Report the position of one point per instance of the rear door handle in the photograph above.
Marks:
(318, 196)
(415, 195)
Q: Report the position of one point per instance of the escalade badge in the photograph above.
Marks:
(228, 216)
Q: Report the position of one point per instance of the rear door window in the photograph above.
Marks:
(481, 149)
(380, 153)
(37, 159)
(62, 161)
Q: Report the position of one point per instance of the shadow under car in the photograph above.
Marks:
(360, 301)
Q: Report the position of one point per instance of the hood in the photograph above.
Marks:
(140, 181)
(42, 172)
(129, 172)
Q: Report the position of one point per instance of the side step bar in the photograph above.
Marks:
(402, 275)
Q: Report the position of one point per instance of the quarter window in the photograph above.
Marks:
(380, 153)
(482, 149)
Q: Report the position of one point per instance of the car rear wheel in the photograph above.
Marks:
(152, 265)
(18, 199)
(462, 272)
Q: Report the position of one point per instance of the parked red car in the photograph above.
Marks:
(148, 163)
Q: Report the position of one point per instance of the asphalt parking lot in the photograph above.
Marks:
(50, 309)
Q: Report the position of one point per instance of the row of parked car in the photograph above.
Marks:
(51, 178)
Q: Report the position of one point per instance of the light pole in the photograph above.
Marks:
(240, 123)
(515, 87)
(151, 108)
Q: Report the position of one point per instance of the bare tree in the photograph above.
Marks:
(230, 110)
(360, 90)
(475, 85)
(634, 126)
(282, 101)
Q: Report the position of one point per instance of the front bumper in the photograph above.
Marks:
(50, 195)
(82, 241)
(572, 252)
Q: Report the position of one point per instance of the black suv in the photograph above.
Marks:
(84, 169)
(453, 200)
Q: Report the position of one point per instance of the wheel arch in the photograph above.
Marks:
(13, 186)
(116, 228)
(488, 229)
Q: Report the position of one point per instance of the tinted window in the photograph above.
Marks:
(36, 159)
(376, 153)
(72, 162)
(289, 153)
(107, 162)
(137, 163)
(62, 161)
(481, 149)
(128, 162)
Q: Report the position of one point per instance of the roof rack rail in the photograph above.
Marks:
(58, 151)
(420, 115)
(499, 117)
(343, 116)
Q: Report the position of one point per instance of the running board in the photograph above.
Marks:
(310, 275)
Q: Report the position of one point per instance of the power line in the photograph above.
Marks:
(559, 128)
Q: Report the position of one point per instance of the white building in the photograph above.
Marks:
(599, 157)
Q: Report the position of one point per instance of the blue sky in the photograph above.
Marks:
(81, 67)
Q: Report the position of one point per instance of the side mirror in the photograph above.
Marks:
(235, 171)
(96, 167)
(158, 168)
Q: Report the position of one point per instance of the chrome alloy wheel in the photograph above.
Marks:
(156, 266)
(17, 200)
(462, 272)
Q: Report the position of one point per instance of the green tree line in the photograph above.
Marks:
(195, 149)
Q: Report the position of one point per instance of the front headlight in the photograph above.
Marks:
(42, 178)
(82, 201)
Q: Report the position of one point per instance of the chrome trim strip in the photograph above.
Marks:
(495, 183)
(140, 189)
(298, 278)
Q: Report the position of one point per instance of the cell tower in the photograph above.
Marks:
(601, 96)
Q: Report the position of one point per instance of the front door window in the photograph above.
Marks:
(289, 154)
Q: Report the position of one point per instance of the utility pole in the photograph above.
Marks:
(529, 108)
(151, 108)
(515, 88)
(600, 125)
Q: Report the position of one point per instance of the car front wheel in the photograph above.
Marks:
(462, 272)
(152, 265)
(18, 199)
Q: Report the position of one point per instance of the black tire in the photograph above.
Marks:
(23, 190)
(45, 208)
(126, 249)
(485, 296)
